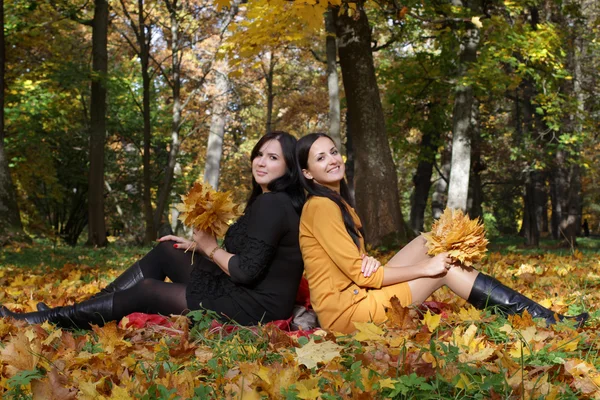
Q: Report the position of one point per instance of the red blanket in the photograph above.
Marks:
(141, 320)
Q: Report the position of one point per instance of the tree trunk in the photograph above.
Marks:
(96, 221)
(567, 182)
(438, 197)
(144, 43)
(422, 177)
(175, 79)
(214, 148)
(530, 227)
(332, 80)
(349, 162)
(462, 122)
(541, 201)
(475, 199)
(10, 221)
(375, 179)
(269, 73)
(567, 170)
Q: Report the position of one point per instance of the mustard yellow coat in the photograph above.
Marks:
(339, 292)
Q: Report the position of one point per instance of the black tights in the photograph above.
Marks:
(153, 295)
(164, 261)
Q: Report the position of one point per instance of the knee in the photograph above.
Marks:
(147, 285)
(165, 246)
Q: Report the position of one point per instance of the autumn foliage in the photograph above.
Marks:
(442, 349)
(206, 209)
(455, 233)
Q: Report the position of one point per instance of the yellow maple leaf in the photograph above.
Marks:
(368, 331)
(388, 383)
(119, 393)
(308, 389)
(455, 233)
(431, 320)
(312, 353)
(464, 382)
(469, 314)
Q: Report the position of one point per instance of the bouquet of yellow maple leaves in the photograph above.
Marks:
(206, 209)
(455, 233)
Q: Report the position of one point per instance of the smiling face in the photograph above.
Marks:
(325, 165)
(268, 164)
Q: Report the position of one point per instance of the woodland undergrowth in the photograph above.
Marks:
(443, 349)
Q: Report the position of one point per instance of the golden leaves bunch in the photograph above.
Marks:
(206, 209)
(455, 233)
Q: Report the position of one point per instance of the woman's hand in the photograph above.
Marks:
(438, 265)
(180, 243)
(369, 265)
(206, 242)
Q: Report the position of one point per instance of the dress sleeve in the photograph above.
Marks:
(329, 230)
(267, 223)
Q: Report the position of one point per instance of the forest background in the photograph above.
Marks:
(112, 109)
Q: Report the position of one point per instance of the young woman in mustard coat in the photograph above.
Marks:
(346, 286)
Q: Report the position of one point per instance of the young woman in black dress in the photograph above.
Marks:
(253, 279)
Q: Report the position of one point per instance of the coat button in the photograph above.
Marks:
(355, 291)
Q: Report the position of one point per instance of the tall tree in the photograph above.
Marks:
(141, 46)
(10, 220)
(463, 117)
(375, 179)
(333, 85)
(96, 221)
(214, 148)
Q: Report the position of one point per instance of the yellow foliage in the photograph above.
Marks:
(431, 320)
(205, 209)
(455, 233)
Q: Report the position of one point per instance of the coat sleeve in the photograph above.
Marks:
(267, 223)
(329, 230)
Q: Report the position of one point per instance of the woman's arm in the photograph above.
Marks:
(323, 218)
(267, 223)
(206, 244)
(209, 246)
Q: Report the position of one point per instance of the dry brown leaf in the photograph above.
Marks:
(455, 233)
(205, 209)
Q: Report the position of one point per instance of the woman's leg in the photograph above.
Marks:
(413, 253)
(149, 296)
(459, 279)
(483, 291)
(164, 261)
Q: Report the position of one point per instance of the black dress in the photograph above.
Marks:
(265, 270)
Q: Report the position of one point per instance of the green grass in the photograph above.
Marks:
(45, 253)
(516, 244)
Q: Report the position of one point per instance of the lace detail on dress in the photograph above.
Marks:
(253, 260)
(207, 281)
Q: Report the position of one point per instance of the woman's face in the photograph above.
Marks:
(325, 164)
(268, 164)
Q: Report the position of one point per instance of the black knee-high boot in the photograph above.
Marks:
(489, 292)
(95, 311)
(127, 279)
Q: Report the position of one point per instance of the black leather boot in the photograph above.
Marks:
(95, 311)
(489, 292)
(127, 279)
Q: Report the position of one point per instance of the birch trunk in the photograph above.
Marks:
(333, 81)
(214, 148)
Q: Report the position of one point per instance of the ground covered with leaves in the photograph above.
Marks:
(445, 349)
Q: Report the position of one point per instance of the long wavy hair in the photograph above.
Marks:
(289, 181)
(314, 189)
